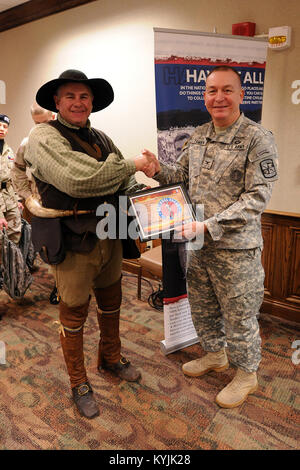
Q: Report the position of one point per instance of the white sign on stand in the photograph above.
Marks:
(2, 353)
(2, 92)
(179, 328)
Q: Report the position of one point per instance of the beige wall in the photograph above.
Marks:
(114, 40)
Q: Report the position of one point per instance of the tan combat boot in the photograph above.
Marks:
(216, 361)
(236, 392)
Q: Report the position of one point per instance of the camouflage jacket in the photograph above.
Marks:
(8, 198)
(20, 174)
(231, 173)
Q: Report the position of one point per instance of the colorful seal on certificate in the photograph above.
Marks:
(168, 208)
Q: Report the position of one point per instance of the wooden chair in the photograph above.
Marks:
(148, 265)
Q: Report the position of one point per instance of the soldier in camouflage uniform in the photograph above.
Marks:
(23, 181)
(10, 216)
(20, 174)
(229, 165)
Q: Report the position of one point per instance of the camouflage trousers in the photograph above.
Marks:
(226, 289)
(14, 224)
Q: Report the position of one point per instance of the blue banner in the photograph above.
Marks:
(182, 62)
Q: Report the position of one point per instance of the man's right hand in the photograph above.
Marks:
(3, 223)
(148, 163)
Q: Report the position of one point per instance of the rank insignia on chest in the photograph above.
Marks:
(268, 168)
(207, 163)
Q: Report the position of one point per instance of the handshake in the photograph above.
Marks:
(147, 162)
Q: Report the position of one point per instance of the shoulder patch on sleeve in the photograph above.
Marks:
(268, 168)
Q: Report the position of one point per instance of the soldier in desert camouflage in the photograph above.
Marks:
(229, 165)
(10, 216)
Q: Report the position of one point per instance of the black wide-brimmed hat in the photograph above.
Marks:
(101, 89)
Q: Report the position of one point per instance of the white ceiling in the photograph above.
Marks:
(6, 4)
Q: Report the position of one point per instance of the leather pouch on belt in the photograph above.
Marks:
(47, 239)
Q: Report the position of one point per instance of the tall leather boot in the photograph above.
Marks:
(72, 320)
(108, 315)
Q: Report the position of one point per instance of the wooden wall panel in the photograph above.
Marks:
(293, 286)
(281, 261)
(34, 10)
(268, 235)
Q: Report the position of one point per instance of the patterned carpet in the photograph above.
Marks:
(165, 411)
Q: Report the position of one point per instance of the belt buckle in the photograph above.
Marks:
(124, 361)
(83, 389)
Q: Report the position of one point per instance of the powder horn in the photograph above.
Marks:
(38, 210)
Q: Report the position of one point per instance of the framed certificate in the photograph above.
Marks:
(158, 211)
